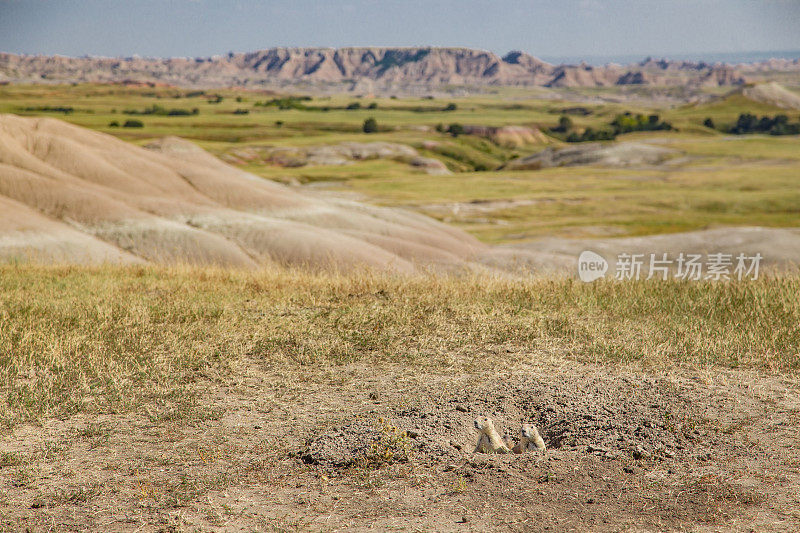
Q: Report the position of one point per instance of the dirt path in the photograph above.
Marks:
(376, 449)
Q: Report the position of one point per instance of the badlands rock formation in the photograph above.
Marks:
(68, 194)
(366, 69)
(509, 136)
(773, 94)
(624, 154)
(345, 153)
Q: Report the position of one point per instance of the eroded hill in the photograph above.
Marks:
(73, 195)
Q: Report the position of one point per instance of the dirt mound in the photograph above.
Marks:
(624, 154)
(772, 93)
(80, 195)
(431, 165)
(604, 416)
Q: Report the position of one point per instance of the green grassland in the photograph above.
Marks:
(95, 106)
(717, 180)
(570, 202)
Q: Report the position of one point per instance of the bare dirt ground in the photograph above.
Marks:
(355, 448)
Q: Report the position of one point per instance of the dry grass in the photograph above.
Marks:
(113, 338)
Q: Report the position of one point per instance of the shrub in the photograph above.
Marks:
(133, 123)
(591, 134)
(158, 110)
(373, 105)
(564, 125)
(370, 125)
(777, 125)
(628, 122)
(451, 107)
(625, 123)
(354, 105)
(708, 123)
(455, 129)
(241, 111)
(288, 102)
(113, 124)
(391, 445)
(67, 110)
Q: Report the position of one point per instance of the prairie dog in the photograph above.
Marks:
(529, 440)
(489, 440)
(508, 440)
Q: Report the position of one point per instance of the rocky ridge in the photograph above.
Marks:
(369, 68)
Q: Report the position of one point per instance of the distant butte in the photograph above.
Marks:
(378, 66)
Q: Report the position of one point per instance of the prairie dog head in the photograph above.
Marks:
(531, 436)
(484, 424)
(529, 431)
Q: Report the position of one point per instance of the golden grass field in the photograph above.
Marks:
(94, 339)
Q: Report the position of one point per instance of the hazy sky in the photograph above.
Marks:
(543, 28)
